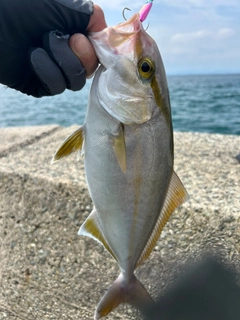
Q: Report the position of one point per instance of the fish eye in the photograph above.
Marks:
(146, 68)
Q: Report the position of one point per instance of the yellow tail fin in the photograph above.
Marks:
(122, 291)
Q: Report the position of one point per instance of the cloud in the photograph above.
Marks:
(183, 38)
(193, 37)
(225, 33)
(119, 4)
(200, 3)
(198, 51)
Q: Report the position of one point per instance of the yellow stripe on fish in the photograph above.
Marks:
(128, 148)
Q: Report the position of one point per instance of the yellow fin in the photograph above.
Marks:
(119, 148)
(176, 195)
(71, 144)
(92, 229)
(124, 290)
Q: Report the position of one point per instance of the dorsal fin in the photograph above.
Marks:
(176, 195)
(71, 144)
(91, 228)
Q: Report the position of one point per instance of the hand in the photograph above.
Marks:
(82, 47)
(35, 41)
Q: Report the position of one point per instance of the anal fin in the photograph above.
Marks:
(91, 228)
(71, 144)
(176, 195)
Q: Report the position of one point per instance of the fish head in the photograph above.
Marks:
(132, 83)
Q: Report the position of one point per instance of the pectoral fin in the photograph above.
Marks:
(73, 143)
(119, 148)
(176, 195)
(92, 229)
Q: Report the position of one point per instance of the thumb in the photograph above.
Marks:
(83, 49)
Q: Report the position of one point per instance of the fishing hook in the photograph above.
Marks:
(123, 13)
(147, 26)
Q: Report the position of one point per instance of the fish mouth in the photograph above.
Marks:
(114, 38)
(133, 24)
(120, 33)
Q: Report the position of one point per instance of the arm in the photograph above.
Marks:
(35, 41)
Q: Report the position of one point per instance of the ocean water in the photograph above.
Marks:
(202, 103)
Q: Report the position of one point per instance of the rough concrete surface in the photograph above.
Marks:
(48, 272)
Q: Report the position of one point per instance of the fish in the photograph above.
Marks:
(127, 142)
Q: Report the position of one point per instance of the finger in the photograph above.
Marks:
(83, 49)
(97, 20)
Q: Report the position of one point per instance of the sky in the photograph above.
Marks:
(193, 36)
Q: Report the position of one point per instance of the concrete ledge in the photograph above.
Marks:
(48, 272)
(17, 137)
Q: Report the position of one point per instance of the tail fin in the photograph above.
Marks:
(122, 291)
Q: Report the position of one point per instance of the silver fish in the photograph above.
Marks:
(128, 150)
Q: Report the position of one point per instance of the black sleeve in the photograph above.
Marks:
(34, 54)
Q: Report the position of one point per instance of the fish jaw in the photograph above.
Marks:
(113, 41)
(122, 92)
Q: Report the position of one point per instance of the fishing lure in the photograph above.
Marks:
(143, 13)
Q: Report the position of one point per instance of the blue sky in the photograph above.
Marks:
(194, 36)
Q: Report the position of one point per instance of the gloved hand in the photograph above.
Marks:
(35, 41)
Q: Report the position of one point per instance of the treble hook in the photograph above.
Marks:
(147, 27)
(123, 13)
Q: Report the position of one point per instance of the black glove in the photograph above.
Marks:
(34, 54)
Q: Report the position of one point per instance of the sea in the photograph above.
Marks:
(200, 103)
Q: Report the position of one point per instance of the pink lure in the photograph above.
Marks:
(143, 13)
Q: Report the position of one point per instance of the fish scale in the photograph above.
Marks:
(128, 155)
